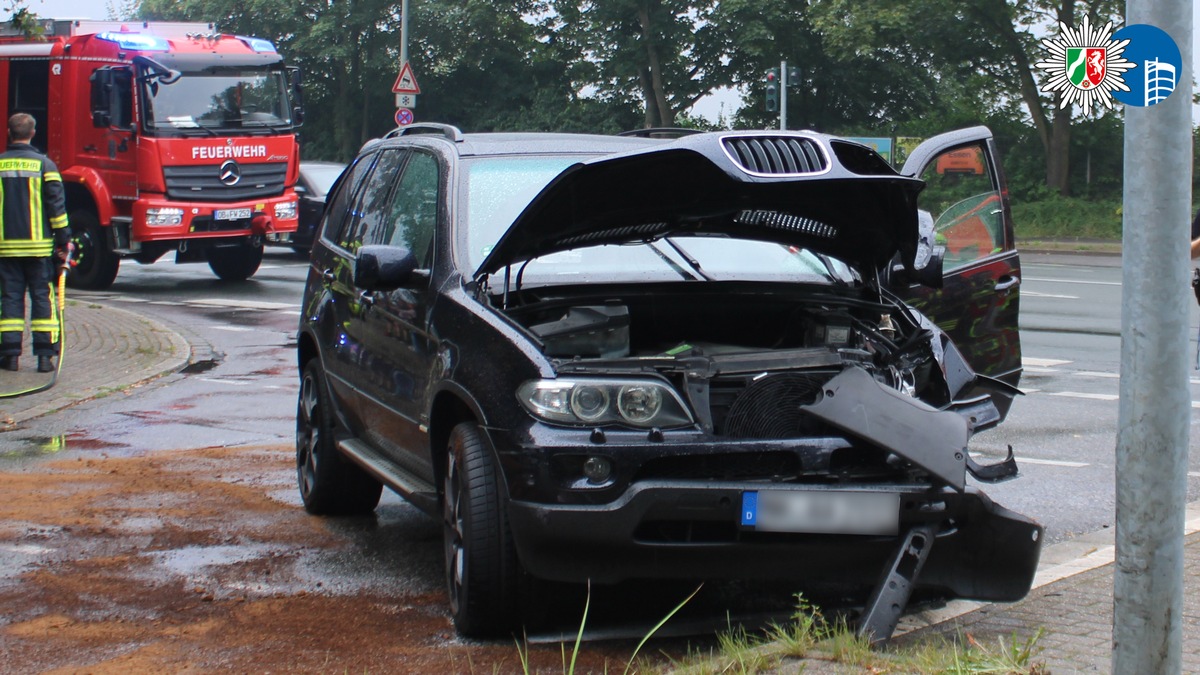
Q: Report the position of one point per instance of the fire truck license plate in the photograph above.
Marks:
(231, 214)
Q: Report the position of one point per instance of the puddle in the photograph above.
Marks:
(37, 446)
(192, 560)
(200, 366)
(40, 446)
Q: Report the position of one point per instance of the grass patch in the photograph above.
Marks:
(809, 636)
(1067, 218)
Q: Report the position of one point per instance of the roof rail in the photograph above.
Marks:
(661, 132)
(448, 130)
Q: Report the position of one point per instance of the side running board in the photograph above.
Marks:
(413, 488)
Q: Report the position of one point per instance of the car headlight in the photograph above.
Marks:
(285, 210)
(590, 402)
(164, 216)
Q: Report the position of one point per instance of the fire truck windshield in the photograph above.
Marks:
(218, 99)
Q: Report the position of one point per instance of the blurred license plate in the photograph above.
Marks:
(231, 214)
(821, 511)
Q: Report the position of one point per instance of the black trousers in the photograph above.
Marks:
(34, 276)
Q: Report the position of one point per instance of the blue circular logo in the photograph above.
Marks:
(1158, 65)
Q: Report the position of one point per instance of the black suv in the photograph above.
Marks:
(602, 358)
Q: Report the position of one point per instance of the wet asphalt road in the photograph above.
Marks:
(241, 391)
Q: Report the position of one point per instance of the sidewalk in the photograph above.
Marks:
(1072, 601)
(105, 350)
(110, 349)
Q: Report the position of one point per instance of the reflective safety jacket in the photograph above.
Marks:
(33, 206)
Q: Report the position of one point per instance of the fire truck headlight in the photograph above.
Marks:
(285, 211)
(162, 217)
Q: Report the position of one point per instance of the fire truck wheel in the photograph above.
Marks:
(235, 263)
(95, 263)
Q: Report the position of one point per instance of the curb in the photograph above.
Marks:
(172, 359)
(1058, 561)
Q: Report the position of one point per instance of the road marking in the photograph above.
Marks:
(1073, 281)
(234, 329)
(235, 383)
(1079, 394)
(1030, 391)
(1194, 474)
(247, 304)
(1044, 363)
(1052, 462)
(1035, 294)
(1095, 373)
(1039, 369)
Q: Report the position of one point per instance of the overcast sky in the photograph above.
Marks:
(709, 107)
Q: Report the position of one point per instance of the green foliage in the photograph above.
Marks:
(1056, 217)
(23, 20)
(811, 637)
(865, 67)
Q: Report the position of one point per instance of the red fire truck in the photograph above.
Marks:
(169, 137)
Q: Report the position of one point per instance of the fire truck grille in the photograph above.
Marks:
(203, 183)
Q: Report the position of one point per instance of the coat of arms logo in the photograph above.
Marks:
(1085, 65)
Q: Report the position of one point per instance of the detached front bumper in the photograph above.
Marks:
(682, 530)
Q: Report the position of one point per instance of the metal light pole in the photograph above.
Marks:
(783, 91)
(1155, 408)
(403, 40)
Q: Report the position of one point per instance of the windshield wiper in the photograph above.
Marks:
(671, 263)
(830, 270)
(692, 262)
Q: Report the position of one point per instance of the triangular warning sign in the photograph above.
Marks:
(407, 82)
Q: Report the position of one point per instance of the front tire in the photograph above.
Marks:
(330, 484)
(482, 570)
(95, 264)
(234, 263)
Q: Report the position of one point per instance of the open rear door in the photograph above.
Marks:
(967, 196)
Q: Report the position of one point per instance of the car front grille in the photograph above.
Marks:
(203, 183)
(776, 155)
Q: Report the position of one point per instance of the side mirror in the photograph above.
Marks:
(297, 96)
(383, 268)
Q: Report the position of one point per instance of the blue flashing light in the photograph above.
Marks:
(136, 41)
(258, 44)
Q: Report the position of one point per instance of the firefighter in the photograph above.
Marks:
(33, 228)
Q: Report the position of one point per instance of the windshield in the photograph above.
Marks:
(499, 188)
(219, 99)
(320, 177)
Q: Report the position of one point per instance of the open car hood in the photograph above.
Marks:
(796, 188)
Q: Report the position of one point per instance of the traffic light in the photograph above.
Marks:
(773, 90)
(793, 77)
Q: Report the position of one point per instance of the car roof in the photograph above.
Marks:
(519, 143)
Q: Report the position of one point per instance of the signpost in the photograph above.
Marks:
(406, 91)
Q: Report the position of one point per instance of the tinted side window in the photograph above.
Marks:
(337, 213)
(413, 209)
(967, 211)
(373, 204)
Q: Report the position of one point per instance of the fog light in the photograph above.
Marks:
(164, 216)
(597, 469)
(285, 210)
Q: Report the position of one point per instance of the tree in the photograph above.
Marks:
(840, 88)
(663, 52)
(994, 39)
